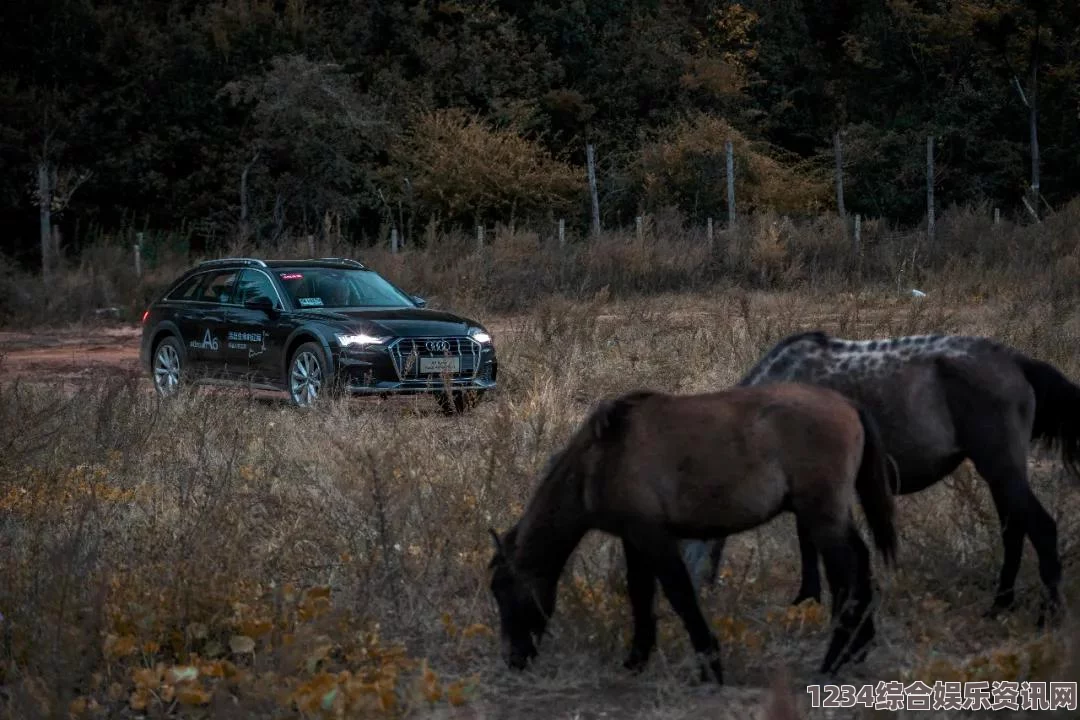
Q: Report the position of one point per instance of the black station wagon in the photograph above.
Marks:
(309, 327)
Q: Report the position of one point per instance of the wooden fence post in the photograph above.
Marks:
(393, 240)
(930, 190)
(562, 232)
(590, 157)
(730, 184)
(857, 238)
(840, 181)
(138, 254)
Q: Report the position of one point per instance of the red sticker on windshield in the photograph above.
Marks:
(291, 276)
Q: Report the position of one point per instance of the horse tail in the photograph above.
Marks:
(1057, 411)
(873, 485)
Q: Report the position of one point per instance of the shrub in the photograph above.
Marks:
(461, 170)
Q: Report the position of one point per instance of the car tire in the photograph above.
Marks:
(459, 401)
(166, 369)
(307, 378)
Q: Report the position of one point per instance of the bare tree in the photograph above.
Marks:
(53, 191)
(312, 139)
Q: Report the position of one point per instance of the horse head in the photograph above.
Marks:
(521, 618)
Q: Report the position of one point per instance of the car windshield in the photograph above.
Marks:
(319, 287)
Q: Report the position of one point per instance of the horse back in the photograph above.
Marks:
(814, 424)
(730, 460)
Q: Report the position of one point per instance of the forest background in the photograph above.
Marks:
(254, 120)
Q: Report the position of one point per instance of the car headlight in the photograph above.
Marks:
(480, 336)
(359, 340)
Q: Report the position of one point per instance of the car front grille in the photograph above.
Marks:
(411, 355)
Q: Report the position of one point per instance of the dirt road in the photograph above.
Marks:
(71, 354)
(81, 354)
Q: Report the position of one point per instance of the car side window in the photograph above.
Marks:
(254, 285)
(219, 288)
(187, 289)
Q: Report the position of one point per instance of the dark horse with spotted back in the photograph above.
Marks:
(940, 399)
(651, 468)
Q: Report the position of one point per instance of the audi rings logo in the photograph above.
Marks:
(437, 345)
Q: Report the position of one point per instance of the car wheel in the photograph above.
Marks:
(167, 367)
(307, 375)
(458, 402)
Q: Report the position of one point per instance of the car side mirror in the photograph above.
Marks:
(420, 302)
(260, 303)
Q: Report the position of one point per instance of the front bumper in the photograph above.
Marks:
(388, 388)
(395, 368)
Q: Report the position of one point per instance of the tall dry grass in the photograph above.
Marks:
(228, 556)
(518, 268)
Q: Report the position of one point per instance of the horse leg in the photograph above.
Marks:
(862, 596)
(715, 557)
(997, 440)
(694, 554)
(810, 586)
(667, 564)
(641, 586)
(847, 570)
(1020, 513)
(1042, 530)
(1012, 538)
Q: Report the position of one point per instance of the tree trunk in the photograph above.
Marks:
(839, 176)
(590, 160)
(244, 212)
(1033, 122)
(45, 192)
(279, 217)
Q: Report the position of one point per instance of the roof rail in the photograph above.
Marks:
(347, 261)
(233, 260)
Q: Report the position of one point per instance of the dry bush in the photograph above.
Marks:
(99, 283)
(228, 556)
(671, 170)
(518, 267)
(460, 169)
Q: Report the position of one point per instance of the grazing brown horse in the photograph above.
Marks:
(652, 468)
(940, 399)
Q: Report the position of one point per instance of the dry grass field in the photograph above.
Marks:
(226, 555)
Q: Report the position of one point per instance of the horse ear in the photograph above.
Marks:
(601, 418)
(550, 464)
(495, 537)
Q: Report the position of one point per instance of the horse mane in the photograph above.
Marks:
(609, 416)
(605, 425)
(818, 337)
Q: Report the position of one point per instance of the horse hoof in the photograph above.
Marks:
(859, 656)
(712, 672)
(996, 610)
(1050, 615)
(718, 675)
(1004, 601)
(634, 664)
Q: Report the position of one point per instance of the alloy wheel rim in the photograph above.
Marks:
(305, 379)
(167, 370)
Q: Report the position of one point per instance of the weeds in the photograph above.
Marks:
(520, 267)
(225, 556)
